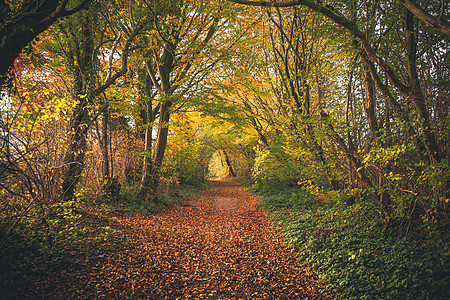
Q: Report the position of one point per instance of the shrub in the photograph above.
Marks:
(356, 257)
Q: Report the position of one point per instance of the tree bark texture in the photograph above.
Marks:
(231, 172)
(106, 176)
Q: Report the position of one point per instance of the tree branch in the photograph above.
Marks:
(151, 73)
(330, 12)
(30, 20)
(124, 68)
(436, 22)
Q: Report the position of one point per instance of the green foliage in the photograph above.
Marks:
(186, 159)
(60, 226)
(59, 238)
(410, 182)
(178, 195)
(356, 257)
(274, 169)
(129, 200)
(287, 199)
(62, 235)
(349, 196)
(189, 162)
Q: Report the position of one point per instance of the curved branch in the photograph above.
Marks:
(330, 12)
(436, 22)
(19, 30)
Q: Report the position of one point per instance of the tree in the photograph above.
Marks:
(437, 23)
(412, 90)
(149, 115)
(80, 46)
(23, 21)
(394, 93)
(176, 60)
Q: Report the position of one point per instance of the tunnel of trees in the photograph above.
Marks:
(344, 99)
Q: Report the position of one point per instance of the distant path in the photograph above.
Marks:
(220, 246)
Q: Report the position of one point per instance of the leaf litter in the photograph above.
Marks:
(218, 246)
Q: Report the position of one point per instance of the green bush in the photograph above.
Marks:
(187, 164)
(287, 199)
(274, 169)
(130, 201)
(278, 167)
(356, 257)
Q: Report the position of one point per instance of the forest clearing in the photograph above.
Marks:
(125, 126)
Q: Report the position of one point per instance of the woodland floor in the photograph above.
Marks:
(218, 246)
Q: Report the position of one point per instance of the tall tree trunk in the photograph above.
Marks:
(416, 95)
(160, 148)
(147, 168)
(165, 67)
(384, 201)
(105, 147)
(73, 161)
(163, 133)
(80, 55)
(165, 64)
(348, 107)
(369, 101)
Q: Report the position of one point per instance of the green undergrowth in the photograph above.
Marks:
(128, 200)
(245, 181)
(354, 255)
(54, 241)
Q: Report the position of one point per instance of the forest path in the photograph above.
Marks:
(218, 246)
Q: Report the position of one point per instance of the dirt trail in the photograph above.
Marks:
(220, 246)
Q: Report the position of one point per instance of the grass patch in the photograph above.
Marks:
(354, 255)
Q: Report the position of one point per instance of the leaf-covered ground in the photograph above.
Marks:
(219, 246)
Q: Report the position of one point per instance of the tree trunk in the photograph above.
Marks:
(163, 133)
(417, 96)
(348, 108)
(165, 67)
(80, 56)
(229, 166)
(147, 167)
(369, 101)
(73, 161)
(105, 147)
(153, 180)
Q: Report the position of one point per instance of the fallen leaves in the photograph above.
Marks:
(220, 246)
